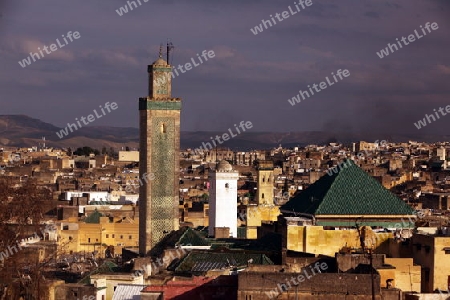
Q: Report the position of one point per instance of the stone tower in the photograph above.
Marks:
(159, 124)
(265, 182)
(223, 200)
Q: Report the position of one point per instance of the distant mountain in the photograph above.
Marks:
(24, 131)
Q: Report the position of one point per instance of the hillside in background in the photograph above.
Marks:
(24, 131)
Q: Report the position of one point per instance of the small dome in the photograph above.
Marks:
(224, 166)
(160, 62)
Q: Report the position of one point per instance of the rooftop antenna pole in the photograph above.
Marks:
(169, 48)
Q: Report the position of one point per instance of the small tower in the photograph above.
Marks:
(265, 182)
(440, 152)
(223, 200)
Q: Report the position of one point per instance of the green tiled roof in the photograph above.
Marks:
(191, 237)
(106, 268)
(199, 262)
(184, 236)
(350, 191)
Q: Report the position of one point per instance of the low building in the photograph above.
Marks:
(129, 156)
(201, 287)
(432, 253)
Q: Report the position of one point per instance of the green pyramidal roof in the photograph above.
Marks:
(347, 190)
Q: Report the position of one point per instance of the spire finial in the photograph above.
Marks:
(160, 51)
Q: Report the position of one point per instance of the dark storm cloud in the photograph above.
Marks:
(251, 77)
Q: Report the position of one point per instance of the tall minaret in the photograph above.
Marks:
(159, 123)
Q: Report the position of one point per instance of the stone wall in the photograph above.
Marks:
(319, 286)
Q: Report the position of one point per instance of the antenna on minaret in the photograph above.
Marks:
(169, 48)
(216, 158)
(160, 51)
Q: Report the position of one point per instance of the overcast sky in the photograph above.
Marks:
(251, 77)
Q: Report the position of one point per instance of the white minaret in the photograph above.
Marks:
(440, 152)
(223, 198)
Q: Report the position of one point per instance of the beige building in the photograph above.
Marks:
(405, 274)
(317, 240)
(196, 213)
(432, 253)
(129, 156)
(247, 158)
(309, 163)
(78, 236)
(256, 215)
(108, 283)
(365, 146)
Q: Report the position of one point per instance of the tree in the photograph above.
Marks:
(86, 151)
(205, 197)
(112, 153)
(21, 212)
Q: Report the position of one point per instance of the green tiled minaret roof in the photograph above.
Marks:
(350, 191)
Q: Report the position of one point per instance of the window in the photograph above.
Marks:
(121, 236)
(107, 235)
(227, 185)
(427, 275)
(113, 236)
(70, 238)
(89, 240)
(163, 128)
(130, 237)
(447, 250)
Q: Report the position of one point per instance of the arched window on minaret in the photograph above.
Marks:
(264, 178)
(163, 128)
(262, 196)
